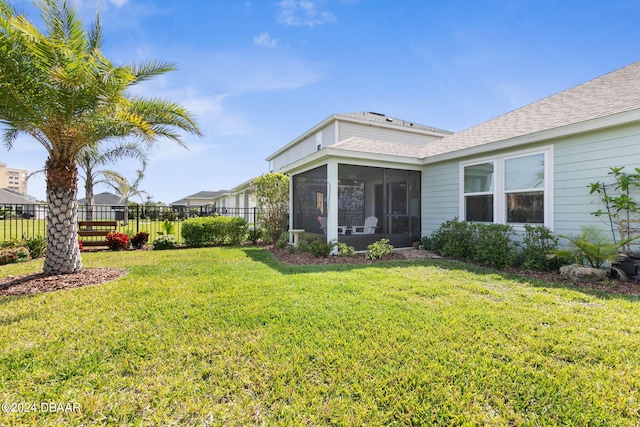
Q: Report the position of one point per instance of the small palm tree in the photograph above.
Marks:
(59, 88)
(125, 189)
(93, 156)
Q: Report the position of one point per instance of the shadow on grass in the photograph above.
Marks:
(266, 257)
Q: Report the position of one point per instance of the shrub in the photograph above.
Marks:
(140, 239)
(166, 241)
(214, 231)
(36, 245)
(117, 241)
(346, 250)
(14, 254)
(320, 249)
(591, 246)
(453, 238)
(282, 243)
(255, 234)
(538, 243)
(272, 194)
(492, 244)
(378, 249)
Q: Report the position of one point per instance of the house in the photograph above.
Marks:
(239, 201)
(529, 166)
(203, 201)
(14, 203)
(106, 206)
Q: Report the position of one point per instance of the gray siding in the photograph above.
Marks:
(582, 160)
(347, 130)
(329, 135)
(439, 195)
(578, 161)
(297, 152)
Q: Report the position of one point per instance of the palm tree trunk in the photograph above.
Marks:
(63, 253)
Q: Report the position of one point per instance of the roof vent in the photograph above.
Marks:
(389, 119)
(377, 114)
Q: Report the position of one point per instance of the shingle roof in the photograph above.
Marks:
(383, 118)
(106, 198)
(11, 197)
(616, 92)
(198, 195)
(373, 146)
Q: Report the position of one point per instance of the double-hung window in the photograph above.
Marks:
(508, 189)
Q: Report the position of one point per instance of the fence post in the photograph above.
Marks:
(137, 218)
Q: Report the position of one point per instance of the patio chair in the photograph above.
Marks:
(369, 227)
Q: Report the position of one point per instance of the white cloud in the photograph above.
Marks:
(303, 13)
(265, 40)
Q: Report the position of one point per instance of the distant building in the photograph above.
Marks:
(13, 179)
(202, 200)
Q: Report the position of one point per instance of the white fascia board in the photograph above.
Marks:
(625, 118)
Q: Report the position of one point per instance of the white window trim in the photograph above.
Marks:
(499, 193)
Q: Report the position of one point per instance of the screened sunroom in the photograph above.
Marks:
(357, 204)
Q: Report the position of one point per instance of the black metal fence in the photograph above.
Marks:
(23, 221)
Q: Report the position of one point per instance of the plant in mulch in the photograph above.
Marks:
(140, 239)
(117, 241)
(378, 249)
(15, 254)
(167, 241)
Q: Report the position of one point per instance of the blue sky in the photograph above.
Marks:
(257, 74)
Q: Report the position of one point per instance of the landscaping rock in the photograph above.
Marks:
(581, 273)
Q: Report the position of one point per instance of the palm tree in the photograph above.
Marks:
(92, 156)
(60, 89)
(125, 189)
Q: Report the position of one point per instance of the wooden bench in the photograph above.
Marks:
(96, 229)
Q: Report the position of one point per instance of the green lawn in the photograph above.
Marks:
(232, 337)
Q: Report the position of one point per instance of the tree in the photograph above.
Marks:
(95, 155)
(272, 194)
(61, 90)
(125, 189)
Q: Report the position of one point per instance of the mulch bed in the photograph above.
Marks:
(30, 284)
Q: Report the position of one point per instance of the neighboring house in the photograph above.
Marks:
(13, 203)
(13, 179)
(204, 201)
(107, 206)
(529, 166)
(239, 201)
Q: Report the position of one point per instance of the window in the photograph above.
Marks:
(524, 189)
(509, 189)
(478, 191)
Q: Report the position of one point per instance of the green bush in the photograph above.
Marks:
(167, 241)
(346, 250)
(493, 245)
(214, 231)
(255, 234)
(538, 243)
(490, 244)
(592, 246)
(10, 255)
(320, 249)
(36, 245)
(378, 249)
(453, 238)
